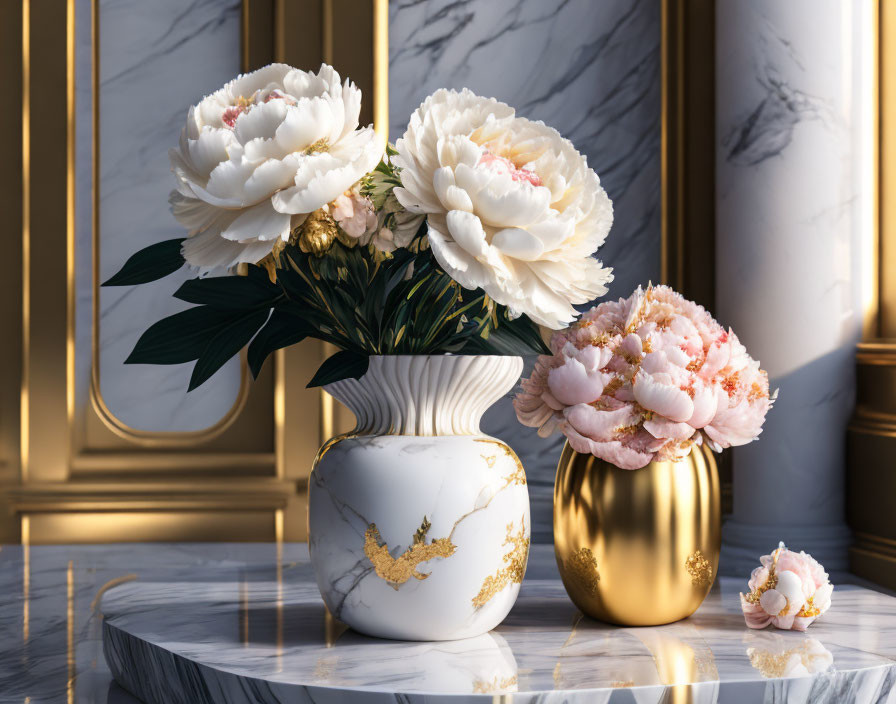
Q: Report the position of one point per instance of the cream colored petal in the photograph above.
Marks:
(270, 177)
(209, 150)
(466, 229)
(226, 184)
(451, 197)
(506, 203)
(261, 121)
(248, 83)
(553, 231)
(518, 243)
(192, 213)
(460, 264)
(259, 222)
(303, 125)
(208, 251)
(350, 109)
(322, 188)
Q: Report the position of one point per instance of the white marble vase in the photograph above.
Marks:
(419, 523)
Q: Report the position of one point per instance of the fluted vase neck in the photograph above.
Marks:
(426, 394)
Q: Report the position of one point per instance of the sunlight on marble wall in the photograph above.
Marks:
(156, 59)
(589, 69)
(795, 224)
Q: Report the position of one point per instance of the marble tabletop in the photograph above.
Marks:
(244, 623)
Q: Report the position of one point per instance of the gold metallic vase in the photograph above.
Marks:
(637, 547)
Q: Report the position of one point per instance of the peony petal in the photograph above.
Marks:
(600, 425)
(208, 251)
(517, 243)
(571, 383)
(668, 430)
(467, 231)
(260, 222)
(772, 602)
(454, 259)
(668, 401)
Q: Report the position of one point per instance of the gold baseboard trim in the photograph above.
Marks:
(191, 494)
(249, 509)
(95, 465)
(88, 527)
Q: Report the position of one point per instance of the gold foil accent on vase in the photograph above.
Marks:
(699, 569)
(641, 527)
(397, 571)
(519, 476)
(514, 569)
(582, 567)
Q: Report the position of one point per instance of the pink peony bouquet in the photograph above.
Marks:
(646, 378)
(788, 590)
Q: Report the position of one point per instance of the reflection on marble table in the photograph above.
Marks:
(244, 623)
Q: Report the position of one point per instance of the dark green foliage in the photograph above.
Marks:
(149, 264)
(282, 330)
(179, 338)
(228, 341)
(229, 292)
(342, 365)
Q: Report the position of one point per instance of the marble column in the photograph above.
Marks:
(794, 237)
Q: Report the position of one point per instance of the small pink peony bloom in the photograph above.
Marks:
(355, 214)
(646, 378)
(790, 590)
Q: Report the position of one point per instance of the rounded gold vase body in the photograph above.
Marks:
(637, 547)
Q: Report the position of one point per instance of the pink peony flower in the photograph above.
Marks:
(355, 214)
(646, 378)
(790, 590)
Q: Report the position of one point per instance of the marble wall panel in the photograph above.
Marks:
(156, 59)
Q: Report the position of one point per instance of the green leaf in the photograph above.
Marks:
(225, 344)
(149, 264)
(233, 292)
(518, 337)
(179, 338)
(342, 365)
(281, 330)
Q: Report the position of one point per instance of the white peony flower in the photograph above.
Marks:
(256, 157)
(511, 206)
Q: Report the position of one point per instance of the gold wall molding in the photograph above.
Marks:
(871, 444)
(688, 148)
(687, 250)
(69, 469)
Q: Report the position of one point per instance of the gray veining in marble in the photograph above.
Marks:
(248, 637)
(589, 69)
(156, 59)
(794, 254)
